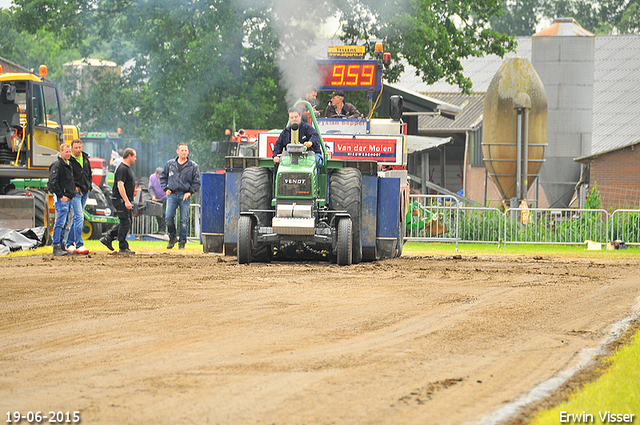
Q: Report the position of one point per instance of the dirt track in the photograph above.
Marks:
(195, 338)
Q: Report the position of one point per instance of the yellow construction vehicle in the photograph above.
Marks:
(31, 131)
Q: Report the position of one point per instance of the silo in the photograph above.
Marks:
(563, 56)
(515, 128)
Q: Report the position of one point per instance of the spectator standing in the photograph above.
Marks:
(62, 185)
(79, 161)
(123, 193)
(310, 95)
(180, 178)
(158, 195)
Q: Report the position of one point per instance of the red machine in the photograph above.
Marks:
(98, 171)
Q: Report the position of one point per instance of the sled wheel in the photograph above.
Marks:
(245, 227)
(344, 248)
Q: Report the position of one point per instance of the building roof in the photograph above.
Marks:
(420, 102)
(616, 108)
(480, 70)
(468, 119)
(91, 61)
(586, 158)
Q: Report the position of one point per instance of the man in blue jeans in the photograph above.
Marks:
(62, 185)
(180, 178)
(79, 161)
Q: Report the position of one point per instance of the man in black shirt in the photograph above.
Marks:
(123, 193)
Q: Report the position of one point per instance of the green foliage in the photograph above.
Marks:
(599, 17)
(432, 36)
(518, 18)
(594, 199)
(32, 50)
(480, 225)
(521, 17)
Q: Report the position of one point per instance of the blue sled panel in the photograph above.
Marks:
(232, 210)
(388, 216)
(369, 217)
(213, 199)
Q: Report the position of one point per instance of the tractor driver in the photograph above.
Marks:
(307, 136)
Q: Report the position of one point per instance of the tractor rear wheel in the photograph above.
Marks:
(345, 194)
(245, 227)
(255, 194)
(344, 249)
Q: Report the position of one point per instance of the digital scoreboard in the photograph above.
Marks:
(349, 74)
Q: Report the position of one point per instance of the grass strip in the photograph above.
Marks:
(410, 248)
(441, 248)
(606, 400)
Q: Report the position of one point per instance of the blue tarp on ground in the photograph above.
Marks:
(13, 240)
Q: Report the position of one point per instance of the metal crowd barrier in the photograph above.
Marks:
(555, 226)
(145, 224)
(436, 218)
(625, 226)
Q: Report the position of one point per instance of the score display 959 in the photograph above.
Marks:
(348, 74)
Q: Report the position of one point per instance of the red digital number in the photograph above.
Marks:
(368, 72)
(353, 72)
(338, 72)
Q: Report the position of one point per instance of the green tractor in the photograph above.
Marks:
(298, 210)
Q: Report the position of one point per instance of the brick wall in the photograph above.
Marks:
(8, 66)
(475, 189)
(617, 175)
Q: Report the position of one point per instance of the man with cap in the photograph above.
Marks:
(338, 108)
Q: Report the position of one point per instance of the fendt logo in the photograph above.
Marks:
(295, 181)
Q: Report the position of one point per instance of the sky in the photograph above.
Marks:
(4, 4)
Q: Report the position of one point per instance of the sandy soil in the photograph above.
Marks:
(167, 338)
